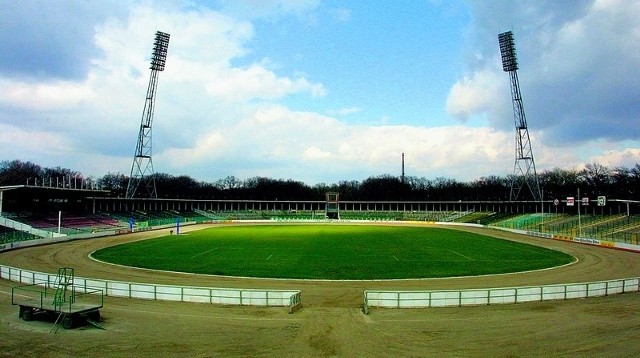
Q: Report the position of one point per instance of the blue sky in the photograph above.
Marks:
(319, 91)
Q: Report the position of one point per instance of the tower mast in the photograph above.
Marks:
(142, 181)
(524, 168)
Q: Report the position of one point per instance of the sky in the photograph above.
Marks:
(319, 91)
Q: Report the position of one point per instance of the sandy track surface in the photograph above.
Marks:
(331, 322)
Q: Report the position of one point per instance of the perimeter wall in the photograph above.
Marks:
(488, 296)
(222, 296)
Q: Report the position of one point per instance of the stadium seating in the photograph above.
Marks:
(619, 228)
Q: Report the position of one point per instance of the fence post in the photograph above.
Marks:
(365, 306)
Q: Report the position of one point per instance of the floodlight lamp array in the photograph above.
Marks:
(160, 47)
(508, 51)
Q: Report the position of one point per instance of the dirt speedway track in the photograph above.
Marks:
(331, 322)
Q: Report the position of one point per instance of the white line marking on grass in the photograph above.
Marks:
(459, 254)
(269, 256)
(202, 253)
(394, 256)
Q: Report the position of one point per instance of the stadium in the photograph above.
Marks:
(379, 278)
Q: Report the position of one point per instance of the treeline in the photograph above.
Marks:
(593, 180)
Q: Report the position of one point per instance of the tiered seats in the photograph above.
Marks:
(8, 235)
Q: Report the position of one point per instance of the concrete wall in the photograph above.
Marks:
(222, 296)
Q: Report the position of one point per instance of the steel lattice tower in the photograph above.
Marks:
(524, 169)
(142, 181)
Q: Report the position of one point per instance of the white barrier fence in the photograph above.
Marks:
(82, 236)
(16, 225)
(222, 296)
(488, 296)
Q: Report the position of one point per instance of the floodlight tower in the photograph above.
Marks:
(142, 181)
(524, 169)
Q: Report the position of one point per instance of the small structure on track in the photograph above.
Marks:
(70, 305)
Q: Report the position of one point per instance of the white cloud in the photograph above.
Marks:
(626, 158)
(207, 147)
(343, 111)
(477, 93)
(31, 144)
(314, 154)
(49, 95)
(256, 81)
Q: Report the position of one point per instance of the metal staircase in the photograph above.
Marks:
(63, 281)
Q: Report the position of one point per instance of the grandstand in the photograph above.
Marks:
(8, 235)
(73, 212)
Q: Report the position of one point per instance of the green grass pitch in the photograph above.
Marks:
(334, 252)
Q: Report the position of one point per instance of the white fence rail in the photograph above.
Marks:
(16, 225)
(488, 296)
(222, 296)
(56, 238)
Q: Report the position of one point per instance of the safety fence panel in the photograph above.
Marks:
(477, 297)
(147, 292)
(631, 285)
(295, 301)
(596, 289)
(554, 293)
(195, 294)
(615, 287)
(226, 297)
(382, 298)
(249, 298)
(441, 299)
(118, 289)
(502, 295)
(576, 290)
(528, 294)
